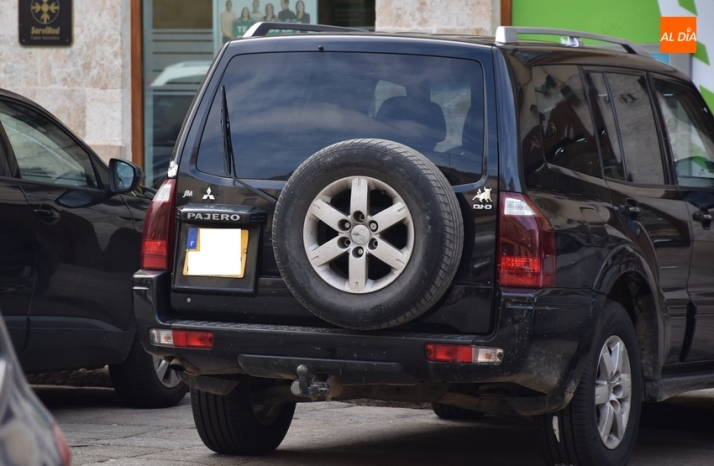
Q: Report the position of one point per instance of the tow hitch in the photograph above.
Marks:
(310, 386)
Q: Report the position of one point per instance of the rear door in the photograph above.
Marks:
(690, 135)
(652, 211)
(307, 101)
(81, 305)
(17, 247)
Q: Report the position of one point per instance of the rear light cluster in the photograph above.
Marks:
(157, 242)
(463, 354)
(181, 338)
(526, 244)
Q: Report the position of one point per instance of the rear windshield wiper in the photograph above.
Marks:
(228, 161)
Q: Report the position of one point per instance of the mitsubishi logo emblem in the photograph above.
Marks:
(208, 195)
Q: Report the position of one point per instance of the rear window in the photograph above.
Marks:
(284, 107)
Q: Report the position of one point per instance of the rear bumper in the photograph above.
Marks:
(545, 335)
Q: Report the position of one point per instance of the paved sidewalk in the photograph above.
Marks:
(101, 431)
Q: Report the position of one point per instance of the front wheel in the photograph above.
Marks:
(599, 426)
(237, 424)
(145, 381)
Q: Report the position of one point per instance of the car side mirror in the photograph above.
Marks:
(124, 176)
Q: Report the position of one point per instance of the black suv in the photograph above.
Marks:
(490, 225)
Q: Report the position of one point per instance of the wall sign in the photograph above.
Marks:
(45, 22)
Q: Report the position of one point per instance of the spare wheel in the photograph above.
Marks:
(367, 234)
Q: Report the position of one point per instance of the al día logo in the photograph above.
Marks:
(45, 11)
(678, 34)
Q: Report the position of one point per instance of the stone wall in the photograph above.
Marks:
(87, 85)
(441, 17)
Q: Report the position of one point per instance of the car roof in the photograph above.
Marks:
(619, 53)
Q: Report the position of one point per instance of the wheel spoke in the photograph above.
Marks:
(619, 423)
(328, 214)
(325, 253)
(617, 357)
(607, 363)
(602, 394)
(173, 378)
(358, 272)
(162, 369)
(391, 216)
(359, 198)
(605, 425)
(390, 255)
(625, 384)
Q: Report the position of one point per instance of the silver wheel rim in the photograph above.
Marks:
(168, 377)
(360, 235)
(613, 392)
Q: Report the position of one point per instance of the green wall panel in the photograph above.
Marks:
(635, 20)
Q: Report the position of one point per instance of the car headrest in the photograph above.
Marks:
(417, 123)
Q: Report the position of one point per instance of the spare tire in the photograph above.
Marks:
(367, 234)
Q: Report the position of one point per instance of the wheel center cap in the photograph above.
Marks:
(360, 235)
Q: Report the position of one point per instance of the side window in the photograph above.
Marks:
(638, 130)
(566, 126)
(605, 126)
(690, 136)
(6, 168)
(43, 151)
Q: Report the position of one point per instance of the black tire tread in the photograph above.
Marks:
(227, 424)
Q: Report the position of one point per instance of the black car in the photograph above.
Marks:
(70, 240)
(492, 225)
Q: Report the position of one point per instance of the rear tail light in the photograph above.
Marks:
(181, 338)
(526, 244)
(157, 241)
(462, 354)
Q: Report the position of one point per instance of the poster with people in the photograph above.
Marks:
(234, 17)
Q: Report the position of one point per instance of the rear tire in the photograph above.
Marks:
(234, 425)
(144, 381)
(599, 426)
(455, 413)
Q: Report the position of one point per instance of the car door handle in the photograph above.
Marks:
(47, 213)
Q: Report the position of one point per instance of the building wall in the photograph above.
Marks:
(86, 85)
(441, 17)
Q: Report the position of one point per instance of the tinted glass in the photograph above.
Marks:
(43, 151)
(284, 107)
(605, 126)
(690, 136)
(566, 126)
(638, 131)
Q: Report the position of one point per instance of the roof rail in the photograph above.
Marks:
(262, 29)
(509, 35)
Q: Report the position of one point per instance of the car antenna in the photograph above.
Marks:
(228, 160)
